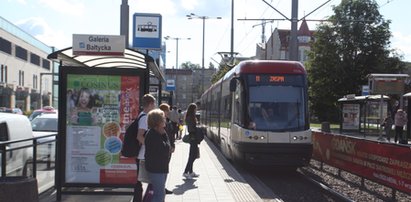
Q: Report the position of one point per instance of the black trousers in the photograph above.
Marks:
(398, 133)
(138, 188)
(192, 156)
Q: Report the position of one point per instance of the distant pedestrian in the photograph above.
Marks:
(387, 124)
(191, 122)
(169, 126)
(173, 116)
(169, 130)
(400, 121)
(157, 155)
(180, 123)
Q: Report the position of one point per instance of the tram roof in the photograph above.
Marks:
(259, 66)
(131, 59)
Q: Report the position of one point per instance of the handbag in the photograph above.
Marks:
(142, 172)
(186, 138)
(148, 196)
(199, 135)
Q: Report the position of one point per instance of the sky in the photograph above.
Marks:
(55, 21)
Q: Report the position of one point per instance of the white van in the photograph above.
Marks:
(16, 127)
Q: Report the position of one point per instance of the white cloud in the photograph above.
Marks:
(23, 2)
(164, 7)
(402, 43)
(68, 7)
(39, 28)
(189, 4)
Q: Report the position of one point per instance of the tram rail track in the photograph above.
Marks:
(350, 185)
(281, 185)
(336, 194)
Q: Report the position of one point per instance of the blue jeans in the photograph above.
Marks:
(158, 180)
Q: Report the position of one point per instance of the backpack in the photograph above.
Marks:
(131, 146)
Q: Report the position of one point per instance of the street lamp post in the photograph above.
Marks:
(176, 67)
(177, 39)
(194, 16)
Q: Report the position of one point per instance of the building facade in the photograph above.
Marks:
(277, 46)
(188, 85)
(26, 79)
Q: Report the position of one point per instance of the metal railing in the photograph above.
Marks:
(32, 143)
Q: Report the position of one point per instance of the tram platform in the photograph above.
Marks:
(219, 181)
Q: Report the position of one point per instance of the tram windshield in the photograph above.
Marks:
(276, 107)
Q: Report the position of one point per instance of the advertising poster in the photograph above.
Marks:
(351, 117)
(387, 164)
(99, 109)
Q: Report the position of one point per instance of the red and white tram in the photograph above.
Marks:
(258, 114)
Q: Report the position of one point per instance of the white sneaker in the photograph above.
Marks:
(193, 174)
(187, 176)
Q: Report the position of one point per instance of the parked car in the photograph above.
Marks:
(16, 127)
(43, 125)
(11, 110)
(46, 109)
(17, 111)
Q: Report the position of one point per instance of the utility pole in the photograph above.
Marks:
(203, 18)
(232, 31)
(124, 13)
(293, 43)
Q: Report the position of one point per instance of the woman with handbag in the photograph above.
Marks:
(158, 151)
(191, 122)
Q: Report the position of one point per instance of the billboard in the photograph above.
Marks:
(351, 116)
(388, 164)
(100, 105)
(147, 31)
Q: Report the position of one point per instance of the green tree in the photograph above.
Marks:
(352, 44)
(189, 65)
(223, 68)
(211, 66)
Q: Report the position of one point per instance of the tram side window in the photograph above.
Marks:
(238, 105)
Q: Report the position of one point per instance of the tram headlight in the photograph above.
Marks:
(299, 138)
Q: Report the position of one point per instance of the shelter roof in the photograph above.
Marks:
(131, 59)
(388, 76)
(363, 98)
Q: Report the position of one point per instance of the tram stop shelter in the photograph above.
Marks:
(361, 114)
(130, 59)
(90, 136)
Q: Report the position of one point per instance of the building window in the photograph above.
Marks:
(35, 59)
(35, 81)
(21, 53)
(2, 74)
(5, 74)
(5, 46)
(46, 64)
(21, 78)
